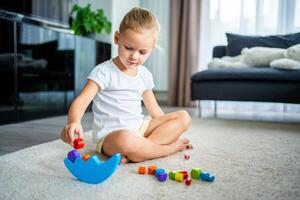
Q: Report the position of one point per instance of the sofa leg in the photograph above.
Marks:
(284, 108)
(215, 109)
(199, 108)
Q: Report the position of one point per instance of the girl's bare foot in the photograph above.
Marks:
(189, 146)
(179, 145)
(124, 160)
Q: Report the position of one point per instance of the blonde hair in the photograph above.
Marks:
(137, 19)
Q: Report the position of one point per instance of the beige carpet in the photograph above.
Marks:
(251, 160)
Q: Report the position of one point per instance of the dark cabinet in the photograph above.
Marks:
(35, 77)
(38, 68)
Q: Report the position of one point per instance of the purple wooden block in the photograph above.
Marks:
(162, 177)
(72, 155)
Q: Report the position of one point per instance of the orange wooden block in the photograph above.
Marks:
(142, 170)
(86, 157)
(151, 170)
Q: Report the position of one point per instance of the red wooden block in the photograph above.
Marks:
(151, 170)
(188, 181)
(78, 143)
(185, 174)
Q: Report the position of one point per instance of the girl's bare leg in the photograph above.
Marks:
(137, 148)
(168, 128)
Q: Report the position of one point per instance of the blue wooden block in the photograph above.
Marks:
(211, 178)
(204, 176)
(159, 171)
(93, 170)
(72, 155)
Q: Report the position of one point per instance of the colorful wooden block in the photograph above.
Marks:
(205, 176)
(188, 181)
(142, 170)
(211, 179)
(195, 173)
(159, 171)
(93, 170)
(78, 143)
(172, 175)
(179, 177)
(72, 155)
(151, 170)
(86, 156)
(185, 174)
(162, 177)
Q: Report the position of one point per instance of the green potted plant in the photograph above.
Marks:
(87, 21)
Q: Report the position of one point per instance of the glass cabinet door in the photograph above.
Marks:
(45, 71)
(42, 69)
(7, 73)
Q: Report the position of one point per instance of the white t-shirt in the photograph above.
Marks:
(117, 105)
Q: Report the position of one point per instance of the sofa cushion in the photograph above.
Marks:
(245, 74)
(237, 42)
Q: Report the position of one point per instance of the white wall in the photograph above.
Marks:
(119, 9)
(115, 10)
(158, 62)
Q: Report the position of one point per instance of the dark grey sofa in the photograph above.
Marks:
(246, 84)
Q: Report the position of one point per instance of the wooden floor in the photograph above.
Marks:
(14, 137)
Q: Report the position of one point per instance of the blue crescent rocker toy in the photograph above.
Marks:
(93, 170)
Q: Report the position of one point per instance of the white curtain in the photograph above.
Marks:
(248, 17)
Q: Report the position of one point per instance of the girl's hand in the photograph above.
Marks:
(69, 131)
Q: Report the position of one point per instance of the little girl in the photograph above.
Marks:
(117, 88)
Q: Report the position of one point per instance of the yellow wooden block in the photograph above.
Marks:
(179, 177)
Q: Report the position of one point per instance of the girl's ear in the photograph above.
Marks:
(117, 37)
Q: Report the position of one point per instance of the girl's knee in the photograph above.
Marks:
(185, 118)
(126, 142)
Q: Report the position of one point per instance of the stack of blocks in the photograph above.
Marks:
(196, 173)
(160, 173)
(77, 144)
(72, 155)
(181, 176)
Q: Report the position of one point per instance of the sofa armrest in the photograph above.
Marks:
(219, 51)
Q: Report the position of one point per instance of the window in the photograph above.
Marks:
(297, 15)
(249, 17)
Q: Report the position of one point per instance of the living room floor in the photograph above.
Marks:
(18, 136)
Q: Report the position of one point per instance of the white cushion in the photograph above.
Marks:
(261, 56)
(285, 63)
(294, 52)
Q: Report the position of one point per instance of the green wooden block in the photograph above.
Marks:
(172, 175)
(195, 173)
